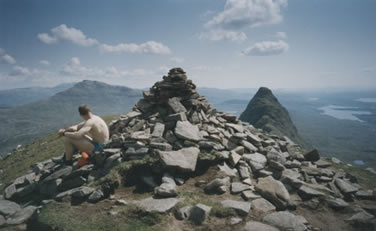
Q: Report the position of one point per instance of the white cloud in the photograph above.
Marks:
(266, 48)
(19, 70)
(281, 35)
(219, 34)
(44, 62)
(63, 32)
(177, 60)
(8, 59)
(45, 38)
(240, 14)
(150, 47)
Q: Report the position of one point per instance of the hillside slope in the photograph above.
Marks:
(264, 111)
(23, 124)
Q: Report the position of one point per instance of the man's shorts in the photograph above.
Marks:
(97, 146)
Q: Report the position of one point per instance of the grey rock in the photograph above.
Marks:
(10, 191)
(2, 221)
(72, 183)
(185, 130)
(183, 213)
(22, 215)
(176, 105)
(235, 220)
(217, 185)
(166, 190)
(199, 213)
(306, 192)
(82, 192)
(228, 171)
(263, 205)
(158, 130)
(254, 139)
(345, 187)
(249, 195)
(96, 196)
(361, 217)
(337, 203)
(65, 171)
(157, 205)
(161, 146)
(286, 221)
(177, 117)
(238, 187)
(8, 207)
(313, 155)
(258, 226)
(365, 195)
(184, 159)
(243, 170)
(257, 161)
(241, 207)
(236, 127)
(111, 161)
(234, 158)
(274, 191)
(250, 147)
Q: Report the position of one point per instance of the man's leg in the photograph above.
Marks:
(82, 144)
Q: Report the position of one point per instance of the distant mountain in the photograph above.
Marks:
(264, 111)
(25, 123)
(19, 96)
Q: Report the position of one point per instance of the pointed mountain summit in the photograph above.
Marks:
(264, 111)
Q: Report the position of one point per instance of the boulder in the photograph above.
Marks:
(96, 196)
(166, 190)
(262, 205)
(241, 207)
(184, 159)
(237, 187)
(286, 221)
(199, 213)
(61, 173)
(22, 215)
(274, 191)
(258, 226)
(257, 161)
(176, 105)
(158, 130)
(217, 185)
(313, 155)
(345, 187)
(186, 131)
(8, 207)
(157, 205)
(183, 213)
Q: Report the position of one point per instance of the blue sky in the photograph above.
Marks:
(220, 43)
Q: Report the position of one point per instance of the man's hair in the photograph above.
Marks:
(84, 109)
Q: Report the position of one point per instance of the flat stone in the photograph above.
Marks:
(82, 191)
(72, 183)
(365, 194)
(306, 192)
(187, 131)
(236, 127)
(2, 221)
(274, 191)
(257, 161)
(177, 117)
(241, 207)
(183, 213)
(250, 147)
(22, 215)
(249, 195)
(322, 163)
(158, 130)
(234, 158)
(254, 139)
(176, 105)
(258, 226)
(10, 191)
(337, 203)
(238, 187)
(262, 205)
(8, 207)
(286, 221)
(161, 146)
(235, 220)
(345, 187)
(65, 171)
(184, 159)
(157, 205)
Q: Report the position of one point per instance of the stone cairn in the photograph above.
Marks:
(176, 125)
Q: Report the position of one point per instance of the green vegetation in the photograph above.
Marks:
(365, 178)
(62, 216)
(19, 162)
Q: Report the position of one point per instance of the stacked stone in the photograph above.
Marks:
(174, 124)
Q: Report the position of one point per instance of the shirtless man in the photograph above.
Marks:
(87, 136)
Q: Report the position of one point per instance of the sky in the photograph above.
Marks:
(219, 43)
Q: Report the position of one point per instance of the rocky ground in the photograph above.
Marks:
(176, 163)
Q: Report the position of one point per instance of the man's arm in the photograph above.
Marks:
(75, 127)
(82, 131)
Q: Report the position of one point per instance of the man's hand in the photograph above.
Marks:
(61, 132)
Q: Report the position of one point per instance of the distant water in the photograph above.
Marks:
(367, 100)
(358, 162)
(343, 112)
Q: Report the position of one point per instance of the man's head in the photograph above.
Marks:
(85, 111)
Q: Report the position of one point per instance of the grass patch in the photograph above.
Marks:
(365, 178)
(62, 216)
(20, 162)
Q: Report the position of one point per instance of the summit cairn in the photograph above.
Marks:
(173, 140)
